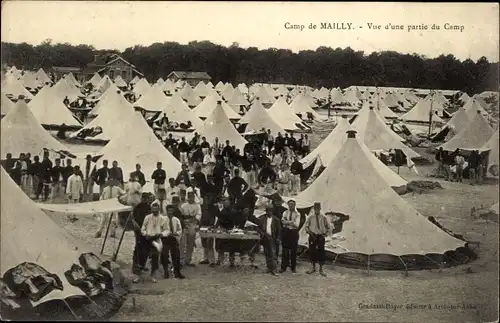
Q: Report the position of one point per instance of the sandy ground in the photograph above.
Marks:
(468, 293)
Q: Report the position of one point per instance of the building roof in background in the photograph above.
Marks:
(191, 75)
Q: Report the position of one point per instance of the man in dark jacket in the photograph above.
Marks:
(209, 214)
(88, 182)
(159, 176)
(139, 175)
(266, 174)
(116, 173)
(46, 167)
(236, 187)
(200, 180)
(140, 254)
(36, 173)
(183, 179)
(220, 172)
(102, 176)
(56, 175)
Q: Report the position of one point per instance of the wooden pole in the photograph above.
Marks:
(430, 115)
(122, 235)
(107, 231)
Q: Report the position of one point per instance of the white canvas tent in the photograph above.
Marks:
(284, 116)
(49, 110)
(201, 89)
(70, 78)
(42, 77)
(119, 82)
(420, 112)
(55, 249)
(258, 118)
(11, 85)
(112, 90)
(104, 84)
(458, 122)
(114, 113)
(381, 225)
(135, 80)
(188, 94)
(263, 96)
(178, 111)
(477, 133)
(154, 100)
(472, 106)
(218, 125)
(95, 80)
(142, 148)
(29, 81)
(141, 87)
(227, 92)
(63, 89)
(207, 106)
(22, 133)
(493, 156)
(220, 86)
(6, 104)
(236, 99)
(378, 136)
(300, 105)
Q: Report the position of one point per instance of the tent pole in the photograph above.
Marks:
(404, 264)
(106, 235)
(368, 265)
(71, 310)
(122, 235)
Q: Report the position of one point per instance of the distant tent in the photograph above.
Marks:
(392, 102)
(421, 111)
(201, 89)
(242, 87)
(119, 81)
(283, 114)
(11, 85)
(6, 105)
(95, 80)
(114, 112)
(258, 118)
(135, 80)
(63, 89)
(236, 99)
(378, 136)
(227, 92)
(473, 137)
(50, 111)
(382, 107)
(472, 106)
(300, 106)
(70, 78)
(464, 97)
(42, 77)
(160, 81)
(220, 86)
(264, 96)
(29, 81)
(190, 96)
(399, 237)
(218, 125)
(207, 106)
(154, 100)
(54, 248)
(178, 111)
(493, 155)
(169, 87)
(141, 87)
(112, 90)
(142, 148)
(22, 133)
(337, 98)
(104, 84)
(210, 85)
(481, 101)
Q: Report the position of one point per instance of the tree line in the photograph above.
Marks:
(324, 66)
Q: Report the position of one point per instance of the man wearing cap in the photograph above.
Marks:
(183, 179)
(191, 212)
(88, 182)
(291, 221)
(109, 192)
(139, 175)
(102, 175)
(158, 178)
(318, 227)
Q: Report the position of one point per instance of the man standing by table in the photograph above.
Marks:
(102, 175)
(290, 237)
(151, 231)
(209, 214)
(270, 230)
(318, 227)
(171, 234)
(191, 211)
(109, 192)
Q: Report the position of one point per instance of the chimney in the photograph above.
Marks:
(96, 56)
(351, 133)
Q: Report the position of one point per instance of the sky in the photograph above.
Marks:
(118, 25)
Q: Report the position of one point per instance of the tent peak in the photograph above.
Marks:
(351, 133)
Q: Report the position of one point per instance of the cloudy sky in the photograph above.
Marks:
(123, 24)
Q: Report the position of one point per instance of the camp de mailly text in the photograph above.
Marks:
(413, 306)
(373, 26)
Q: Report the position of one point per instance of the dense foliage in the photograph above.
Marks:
(324, 66)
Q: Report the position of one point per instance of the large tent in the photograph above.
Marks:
(207, 106)
(22, 133)
(472, 106)
(114, 113)
(50, 111)
(458, 122)
(257, 118)
(283, 114)
(53, 248)
(6, 104)
(112, 90)
(142, 148)
(178, 111)
(382, 231)
(300, 106)
(11, 85)
(493, 155)
(218, 125)
(378, 136)
(263, 96)
(473, 137)
(421, 112)
(154, 100)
